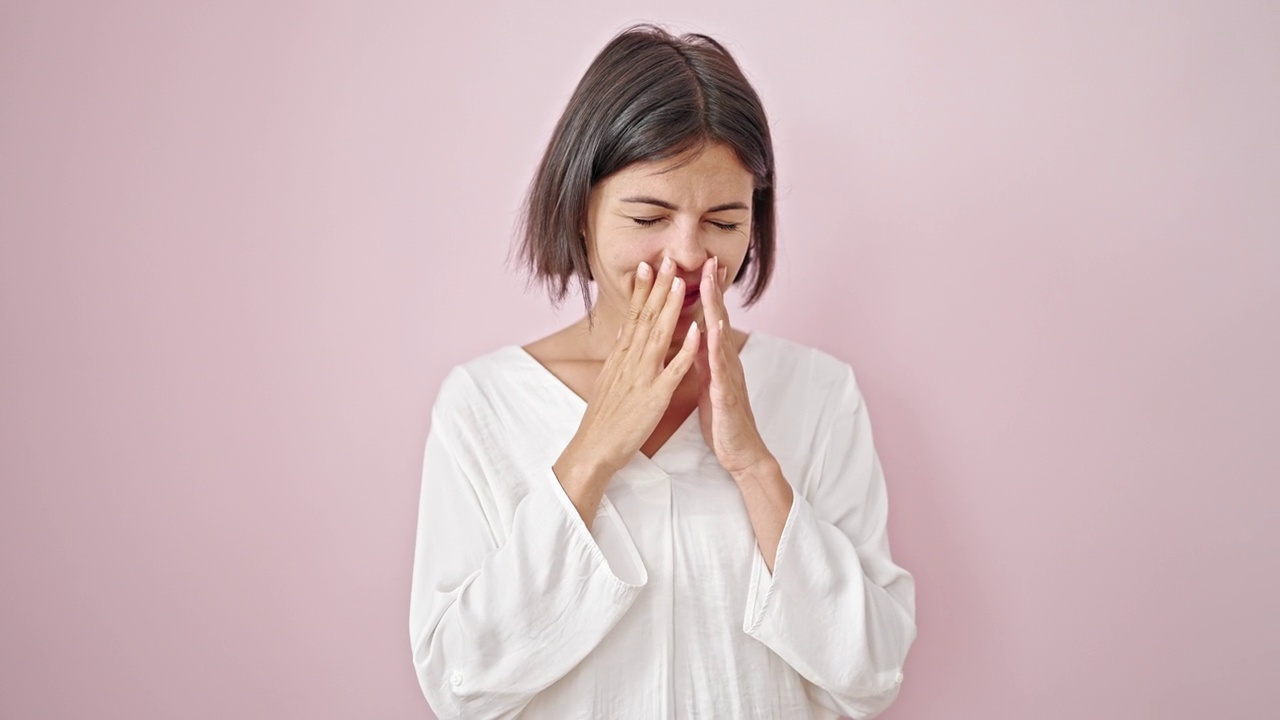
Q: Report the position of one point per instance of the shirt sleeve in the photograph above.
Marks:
(836, 607)
(497, 614)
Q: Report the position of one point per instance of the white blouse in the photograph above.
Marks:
(665, 608)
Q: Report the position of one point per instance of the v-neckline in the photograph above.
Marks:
(581, 404)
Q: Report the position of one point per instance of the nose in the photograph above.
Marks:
(686, 249)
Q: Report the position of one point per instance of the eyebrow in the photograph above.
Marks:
(664, 204)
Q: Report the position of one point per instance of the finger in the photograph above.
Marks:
(708, 273)
(662, 330)
(701, 364)
(670, 376)
(722, 351)
(639, 295)
(715, 349)
(710, 305)
(730, 345)
(724, 343)
(654, 303)
(700, 358)
(722, 310)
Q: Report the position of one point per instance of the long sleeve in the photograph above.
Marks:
(836, 607)
(500, 610)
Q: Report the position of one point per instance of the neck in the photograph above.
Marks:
(597, 338)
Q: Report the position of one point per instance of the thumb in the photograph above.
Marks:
(702, 365)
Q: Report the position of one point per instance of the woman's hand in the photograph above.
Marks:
(728, 426)
(633, 389)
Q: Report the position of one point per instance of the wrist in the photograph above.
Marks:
(765, 467)
(580, 471)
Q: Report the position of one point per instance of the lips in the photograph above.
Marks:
(690, 297)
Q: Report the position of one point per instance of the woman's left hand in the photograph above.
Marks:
(728, 426)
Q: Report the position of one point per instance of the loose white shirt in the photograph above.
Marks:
(665, 607)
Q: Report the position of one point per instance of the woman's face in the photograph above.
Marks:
(690, 213)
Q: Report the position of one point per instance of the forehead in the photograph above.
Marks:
(713, 169)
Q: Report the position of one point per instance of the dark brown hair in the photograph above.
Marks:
(648, 95)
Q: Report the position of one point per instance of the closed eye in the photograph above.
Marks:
(647, 222)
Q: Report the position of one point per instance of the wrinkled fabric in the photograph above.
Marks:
(665, 608)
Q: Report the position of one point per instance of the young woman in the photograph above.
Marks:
(650, 513)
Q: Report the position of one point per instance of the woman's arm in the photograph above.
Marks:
(498, 614)
(833, 604)
(768, 497)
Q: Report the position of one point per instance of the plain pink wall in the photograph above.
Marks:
(243, 242)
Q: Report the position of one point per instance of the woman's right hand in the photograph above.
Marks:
(633, 389)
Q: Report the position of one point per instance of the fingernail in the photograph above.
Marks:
(724, 274)
(666, 263)
(645, 271)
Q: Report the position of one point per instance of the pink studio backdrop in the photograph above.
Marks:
(242, 243)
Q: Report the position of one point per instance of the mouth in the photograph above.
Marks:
(690, 298)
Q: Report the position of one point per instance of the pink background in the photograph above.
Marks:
(242, 244)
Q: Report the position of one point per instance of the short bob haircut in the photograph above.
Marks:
(648, 95)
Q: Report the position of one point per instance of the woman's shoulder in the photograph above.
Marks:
(797, 392)
(473, 379)
(779, 359)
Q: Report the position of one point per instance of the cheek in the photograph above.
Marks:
(625, 255)
(622, 266)
(618, 263)
(731, 249)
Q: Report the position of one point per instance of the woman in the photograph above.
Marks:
(650, 513)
